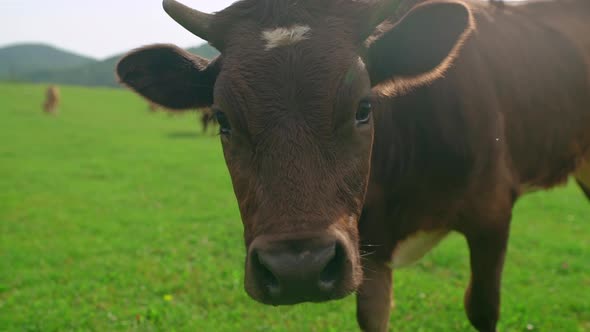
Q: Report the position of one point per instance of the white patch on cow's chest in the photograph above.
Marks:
(413, 248)
(285, 36)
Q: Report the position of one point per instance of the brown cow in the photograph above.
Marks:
(51, 100)
(153, 107)
(583, 178)
(342, 138)
(206, 118)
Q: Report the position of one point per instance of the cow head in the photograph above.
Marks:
(293, 91)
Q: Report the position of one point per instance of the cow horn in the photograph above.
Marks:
(191, 19)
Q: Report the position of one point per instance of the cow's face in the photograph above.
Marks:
(293, 92)
(297, 137)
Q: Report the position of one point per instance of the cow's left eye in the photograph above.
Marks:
(363, 114)
(224, 126)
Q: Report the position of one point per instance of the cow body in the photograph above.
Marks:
(471, 104)
(512, 112)
(51, 100)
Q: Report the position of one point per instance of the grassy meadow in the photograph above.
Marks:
(115, 219)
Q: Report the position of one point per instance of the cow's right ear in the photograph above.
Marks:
(170, 76)
(422, 43)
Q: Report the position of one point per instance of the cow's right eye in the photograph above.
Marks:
(363, 114)
(224, 126)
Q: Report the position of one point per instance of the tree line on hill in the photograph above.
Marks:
(38, 63)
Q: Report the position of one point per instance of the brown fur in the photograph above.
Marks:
(52, 99)
(471, 103)
(513, 110)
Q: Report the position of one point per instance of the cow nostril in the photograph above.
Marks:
(266, 278)
(331, 273)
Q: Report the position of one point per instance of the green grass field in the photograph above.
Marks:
(114, 219)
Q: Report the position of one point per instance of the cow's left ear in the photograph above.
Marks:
(422, 42)
(170, 76)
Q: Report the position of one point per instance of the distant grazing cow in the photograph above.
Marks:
(51, 100)
(153, 107)
(206, 115)
(342, 139)
(583, 177)
(207, 118)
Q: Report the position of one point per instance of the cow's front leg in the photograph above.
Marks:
(374, 296)
(487, 248)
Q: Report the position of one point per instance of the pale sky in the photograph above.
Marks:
(97, 28)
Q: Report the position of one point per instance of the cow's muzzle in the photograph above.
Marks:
(304, 268)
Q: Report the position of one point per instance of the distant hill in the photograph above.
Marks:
(16, 60)
(88, 73)
(97, 73)
(205, 51)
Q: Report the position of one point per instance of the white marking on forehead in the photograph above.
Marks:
(285, 36)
